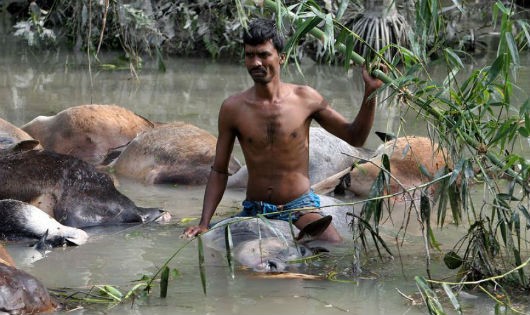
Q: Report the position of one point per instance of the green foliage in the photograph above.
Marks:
(430, 297)
(201, 264)
(164, 281)
(476, 119)
(33, 30)
(229, 245)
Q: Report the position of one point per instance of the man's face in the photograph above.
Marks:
(263, 61)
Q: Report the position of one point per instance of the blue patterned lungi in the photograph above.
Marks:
(253, 208)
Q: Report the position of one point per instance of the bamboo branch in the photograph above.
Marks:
(434, 112)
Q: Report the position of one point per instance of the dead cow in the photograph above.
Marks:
(176, 153)
(11, 134)
(87, 132)
(21, 293)
(407, 155)
(68, 189)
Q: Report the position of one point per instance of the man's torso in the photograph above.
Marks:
(274, 137)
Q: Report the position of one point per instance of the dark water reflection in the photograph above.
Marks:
(33, 84)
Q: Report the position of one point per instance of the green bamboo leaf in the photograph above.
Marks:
(111, 292)
(229, 254)
(425, 208)
(301, 30)
(524, 132)
(524, 211)
(517, 227)
(385, 162)
(456, 171)
(425, 212)
(164, 282)
(495, 69)
(525, 108)
(524, 27)
(453, 59)
(432, 239)
(518, 261)
(363, 224)
(349, 51)
(425, 171)
(134, 290)
(503, 228)
(504, 196)
(452, 298)
(502, 8)
(441, 197)
(454, 201)
(504, 131)
(405, 150)
(429, 296)
(202, 268)
(329, 30)
(452, 260)
(512, 47)
(343, 6)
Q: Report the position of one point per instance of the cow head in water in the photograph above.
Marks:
(259, 245)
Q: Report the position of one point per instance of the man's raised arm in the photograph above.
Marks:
(356, 132)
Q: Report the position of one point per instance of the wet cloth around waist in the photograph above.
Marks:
(253, 208)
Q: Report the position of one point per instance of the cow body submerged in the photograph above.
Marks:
(68, 189)
(413, 161)
(87, 132)
(173, 153)
(407, 156)
(20, 292)
(22, 220)
(270, 246)
(11, 135)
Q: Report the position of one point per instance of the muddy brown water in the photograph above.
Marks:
(37, 83)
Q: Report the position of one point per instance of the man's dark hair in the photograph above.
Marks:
(261, 30)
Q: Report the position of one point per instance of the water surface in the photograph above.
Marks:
(38, 83)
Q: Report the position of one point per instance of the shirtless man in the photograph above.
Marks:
(271, 121)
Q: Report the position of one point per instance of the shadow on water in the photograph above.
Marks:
(192, 90)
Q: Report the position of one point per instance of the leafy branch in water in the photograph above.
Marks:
(476, 119)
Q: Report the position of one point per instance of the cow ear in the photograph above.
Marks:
(25, 145)
(385, 137)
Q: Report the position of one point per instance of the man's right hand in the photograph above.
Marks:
(194, 231)
(371, 83)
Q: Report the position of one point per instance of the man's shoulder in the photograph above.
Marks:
(234, 99)
(303, 90)
(307, 94)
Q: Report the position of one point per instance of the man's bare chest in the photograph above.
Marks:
(272, 128)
